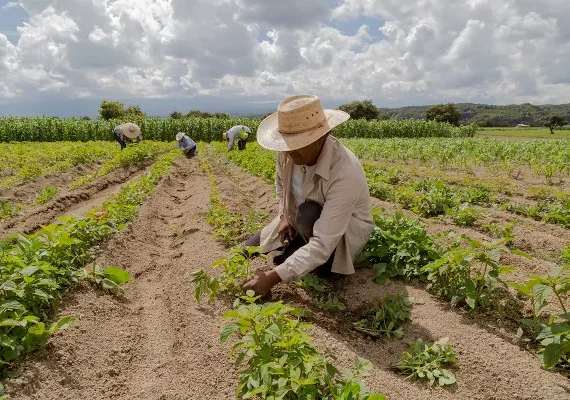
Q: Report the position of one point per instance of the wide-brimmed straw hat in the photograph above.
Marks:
(298, 122)
(179, 135)
(131, 130)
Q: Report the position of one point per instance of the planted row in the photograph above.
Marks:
(133, 155)
(469, 273)
(230, 227)
(36, 270)
(21, 162)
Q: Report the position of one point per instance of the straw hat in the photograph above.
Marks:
(179, 135)
(298, 122)
(131, 130)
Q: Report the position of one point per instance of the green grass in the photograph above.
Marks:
(543, 133)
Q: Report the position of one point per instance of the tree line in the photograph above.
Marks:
(364, 109)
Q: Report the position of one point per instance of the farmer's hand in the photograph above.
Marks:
(286, 231)
(261, 282)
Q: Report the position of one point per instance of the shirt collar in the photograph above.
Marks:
(323, 166)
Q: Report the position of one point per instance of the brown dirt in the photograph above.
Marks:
(157, 343)
(27, 192)
(71, 202)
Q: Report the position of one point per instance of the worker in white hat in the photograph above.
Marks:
(128, 132)
(240, 132)
(186, 144)
(324, 217)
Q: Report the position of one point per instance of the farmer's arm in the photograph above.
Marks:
(327, 232)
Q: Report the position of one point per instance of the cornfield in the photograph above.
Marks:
(50, 129)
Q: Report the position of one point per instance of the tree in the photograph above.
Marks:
(555, 120)
(134, 111)
(361, 109)
(176, 115)
(111, 109)
(444, 113)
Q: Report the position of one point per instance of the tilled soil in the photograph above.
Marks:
(158, 343)
(71, 202)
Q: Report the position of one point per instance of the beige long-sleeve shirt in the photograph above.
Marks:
(337, 183)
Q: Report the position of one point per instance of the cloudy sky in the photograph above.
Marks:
(64, 56)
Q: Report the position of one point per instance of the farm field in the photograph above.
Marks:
(161, 217)
(517, 133)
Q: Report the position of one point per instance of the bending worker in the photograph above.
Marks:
(187, 144)
(324, 218)
(127, 133)
(240, 132)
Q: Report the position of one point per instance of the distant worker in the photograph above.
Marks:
(127, 133)
(187, 144)
(240, 132)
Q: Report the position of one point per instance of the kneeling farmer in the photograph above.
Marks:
(324, 203)
(240, 132)
(127, 133)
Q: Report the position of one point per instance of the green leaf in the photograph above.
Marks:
(37, 329)
(62, 324)
(552, 354)
(470, 302)
(377, 396)
(117, 275)
(228, 331)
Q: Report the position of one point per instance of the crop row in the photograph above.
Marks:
(20, 162)
(547, 158)
(136, 154)
(36, 270)
(48, 129)
(425, 197)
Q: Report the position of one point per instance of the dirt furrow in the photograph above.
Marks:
(72, 202)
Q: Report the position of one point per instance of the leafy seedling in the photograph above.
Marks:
(386, 317)
(427, 361)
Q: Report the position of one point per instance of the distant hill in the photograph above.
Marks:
(486, 115)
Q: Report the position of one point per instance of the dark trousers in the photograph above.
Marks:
(241, 144)
(307, 214)
(121, 142)
(190, 152)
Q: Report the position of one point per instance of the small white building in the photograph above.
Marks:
(523, 126)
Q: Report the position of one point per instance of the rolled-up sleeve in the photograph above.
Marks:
(327, 231)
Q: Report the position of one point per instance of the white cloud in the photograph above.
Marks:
(10, 4)
(428, 50)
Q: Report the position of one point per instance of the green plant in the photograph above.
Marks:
(278, 359)
(235, 269)
(398, 247)
(110, 278)
(554, 335)
(314, 283)
(505, 233)
(386, 317)
(469, 274)
(463, 215)
(427, 362)
(330, 302)
(9, 210)
(46, 195)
